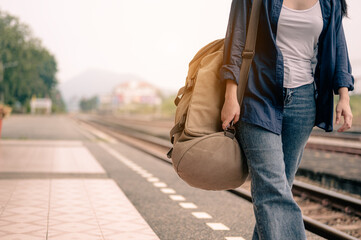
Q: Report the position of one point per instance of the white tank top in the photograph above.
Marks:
(297, 37)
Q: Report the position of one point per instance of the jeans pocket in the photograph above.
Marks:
(287, 96)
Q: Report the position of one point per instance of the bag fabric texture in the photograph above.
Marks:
(203, 154)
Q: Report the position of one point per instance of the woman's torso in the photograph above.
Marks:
(263, 99)
(297, 38)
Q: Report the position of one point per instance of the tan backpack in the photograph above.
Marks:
(204, 155)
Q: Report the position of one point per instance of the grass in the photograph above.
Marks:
(167, 108)
(355, 103)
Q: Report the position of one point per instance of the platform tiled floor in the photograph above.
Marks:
(68, 209)
(64, 208)
(46, 156)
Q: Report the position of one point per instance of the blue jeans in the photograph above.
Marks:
(273, 161)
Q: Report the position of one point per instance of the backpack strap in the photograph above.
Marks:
(177, 128)
(249, 49)
(179, 95)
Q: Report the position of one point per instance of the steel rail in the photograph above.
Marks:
(339, 201)
(349, 135)
(331, 148)
(309, 145)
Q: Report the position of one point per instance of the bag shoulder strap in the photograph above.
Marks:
(249, 49)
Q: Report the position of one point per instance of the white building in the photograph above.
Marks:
(105, 102)
(136, 92)
(40, 104)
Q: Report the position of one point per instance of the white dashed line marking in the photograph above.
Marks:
(98, 133)
(235, 238)
(137, 169)
(177, 197)
(115, 154)
(162, 185)
(159, 184)
(218, 226)
(187, 205)
(153, 179)
(147, 175)
(202, 215)
(167, 190)
(131, 164)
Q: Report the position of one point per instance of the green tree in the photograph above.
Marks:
(28, 68)
(88, 104)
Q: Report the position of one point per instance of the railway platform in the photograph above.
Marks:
(331, 159)
(62, 180)
(333, 162)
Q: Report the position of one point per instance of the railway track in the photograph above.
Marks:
(348, 135)
(326, 213)
(160, 128)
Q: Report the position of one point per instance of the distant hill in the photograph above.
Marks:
(90, 83)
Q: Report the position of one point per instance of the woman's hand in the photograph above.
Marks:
(231, 109)
(343, 109)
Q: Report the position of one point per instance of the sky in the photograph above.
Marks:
(154, 39)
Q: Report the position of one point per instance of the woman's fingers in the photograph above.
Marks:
(338, 115)
(347, 115)
(236, 118)
(230, 111)
(344, 127)
(226, 123)
(343, 109)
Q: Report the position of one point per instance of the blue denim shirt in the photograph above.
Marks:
(263, 99)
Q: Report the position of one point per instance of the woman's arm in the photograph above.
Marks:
(235, 39)
(231, 108)
(343, 81)
(343, 72)
(343, 109)
(232, 58)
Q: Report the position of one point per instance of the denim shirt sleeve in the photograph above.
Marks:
(343, 73)
(235, 40)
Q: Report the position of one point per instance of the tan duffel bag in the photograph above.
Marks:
(204, 155)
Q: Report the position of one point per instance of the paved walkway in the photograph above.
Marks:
(57, 190)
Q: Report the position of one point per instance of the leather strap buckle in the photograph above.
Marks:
(230, 130)
(248, 53)
(169, 154)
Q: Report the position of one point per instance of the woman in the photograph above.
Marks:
(300, 60)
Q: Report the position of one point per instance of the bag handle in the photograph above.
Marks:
(249, 49)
